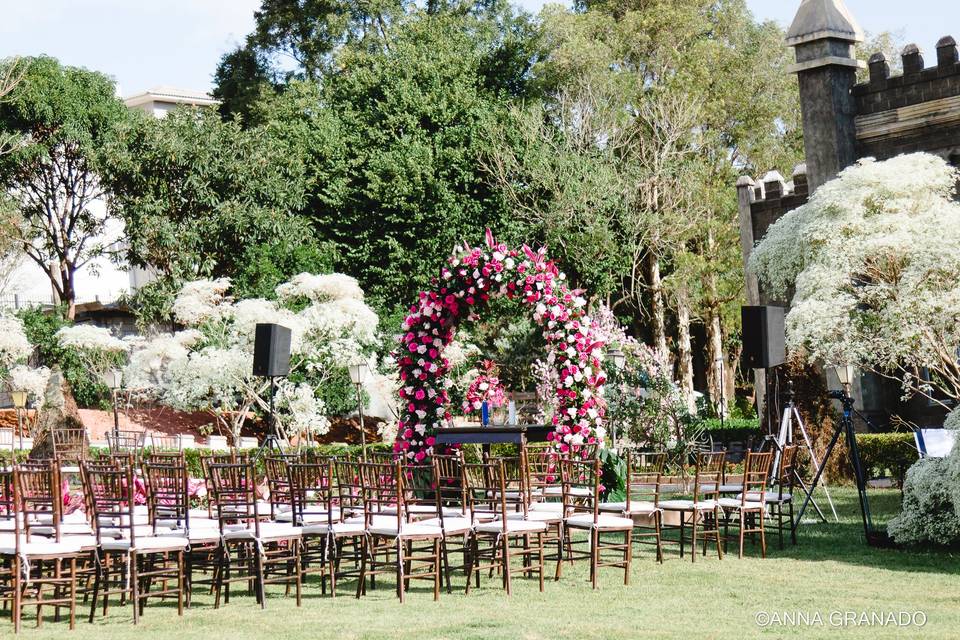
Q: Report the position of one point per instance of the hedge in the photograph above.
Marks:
(735, 430)
(887, 454)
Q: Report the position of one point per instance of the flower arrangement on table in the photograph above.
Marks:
(486, 387)
(461, 292)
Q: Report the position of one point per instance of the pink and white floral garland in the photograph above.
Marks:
(486, 387)
(463, 290)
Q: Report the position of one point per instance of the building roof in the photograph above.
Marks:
(171, 95)
(819, 19)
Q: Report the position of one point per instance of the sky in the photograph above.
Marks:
(144, 44)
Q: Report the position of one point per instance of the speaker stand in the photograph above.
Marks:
(272, 441)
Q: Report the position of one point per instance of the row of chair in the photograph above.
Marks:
(341, 518)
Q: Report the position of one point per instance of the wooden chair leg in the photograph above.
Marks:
(505, 541)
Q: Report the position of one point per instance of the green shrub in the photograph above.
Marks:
(887, 454)
(930, 514)
(734, 430)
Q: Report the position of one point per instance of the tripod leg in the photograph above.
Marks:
(816, 467)
(816, 478)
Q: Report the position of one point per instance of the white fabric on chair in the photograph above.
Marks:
(149, 544)
(37, 546)
(636, 507)
(550, 517)
(604, 521)
(551, 507)
(513, 526)
(771, 496)
(734, 503)
(452, 526)
(554, 491)
(269, 531)
(407, 529)
(688, 505)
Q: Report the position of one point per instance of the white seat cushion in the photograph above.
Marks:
(66, 529)
(552, 507)
(734, 503)
(549, 517)
(347, 529)
(604, 521)
(145, 545)
(38, 546)
(413, 509)
(771, 496)
(574, 491)
(315, 517)
(450, 526)
(407, 529)
(197, 536)
(636, 507)
(513, 526)
(688, 505)
(269, 531)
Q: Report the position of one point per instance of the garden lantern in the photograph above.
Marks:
(358, 371)
(617, 357)
(845, 374)
(114, 380)
(19, 399)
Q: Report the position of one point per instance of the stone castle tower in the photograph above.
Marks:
(843, 121)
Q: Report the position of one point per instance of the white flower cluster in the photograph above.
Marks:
(340, 329)
(150, 360)
(86, 337)
(201, 301)
(14, 345)
(33, 381)
(320, 288)
(307, 412)
(874, 259)
(208, 378)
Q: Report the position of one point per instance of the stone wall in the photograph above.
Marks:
(918, 110)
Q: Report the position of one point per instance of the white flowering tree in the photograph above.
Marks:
(208, 366)
(14, 346)
(873, 260)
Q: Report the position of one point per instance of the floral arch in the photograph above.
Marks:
(461, 292)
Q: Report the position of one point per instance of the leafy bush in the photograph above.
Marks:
(930, 513)
(953, 420)
(887, 453)
(41, 328)
(733, 430)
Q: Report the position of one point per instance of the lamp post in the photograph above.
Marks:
(618, 359)
(114, 380)
(357, 373)
(19, 403)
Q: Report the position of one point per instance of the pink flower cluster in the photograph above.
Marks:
(462, 290)
(486, 387)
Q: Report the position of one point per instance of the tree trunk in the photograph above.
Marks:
(657, 307)
(716, 364)
(685, 351)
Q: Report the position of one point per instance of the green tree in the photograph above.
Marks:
(197, 193)
(64, 118)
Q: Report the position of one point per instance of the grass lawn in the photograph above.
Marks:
(831, 570)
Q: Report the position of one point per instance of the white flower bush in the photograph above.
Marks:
(33, 381)
(86, 337)
(874, 261)
(201, 301)
(209, 366)
(14, 346)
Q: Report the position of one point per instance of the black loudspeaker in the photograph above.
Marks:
(271, 351)
(764, 339)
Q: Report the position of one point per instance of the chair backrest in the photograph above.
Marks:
(349, 486)
(70, 444)
(125, 441)
(278, 480)
(164, 442)
(451, 488)
(382, 488)
(234, 491)
(542, 471)
(788, 468)
(168, 495)
(581, 486)
(644, 475)
(7, 498)
(310, 486)
(709, 475)
(37, 497)
(109, 493)
(487, 495)
(756, 475)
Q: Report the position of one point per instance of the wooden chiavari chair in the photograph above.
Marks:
(642, 504)
(705, 505)
(780, 502)
(581, 504)
(392, 532)
(132, 558)
(751, 505)
(251, 550)
(498, 535)
(125, 442)
(453, 512)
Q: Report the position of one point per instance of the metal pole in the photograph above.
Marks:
(363, 431)
(116, 419)
(13, 456)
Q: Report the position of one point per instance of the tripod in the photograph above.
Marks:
(785, 437)
(846, 427)
(272, 441)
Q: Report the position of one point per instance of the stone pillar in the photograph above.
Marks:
(823, 36)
